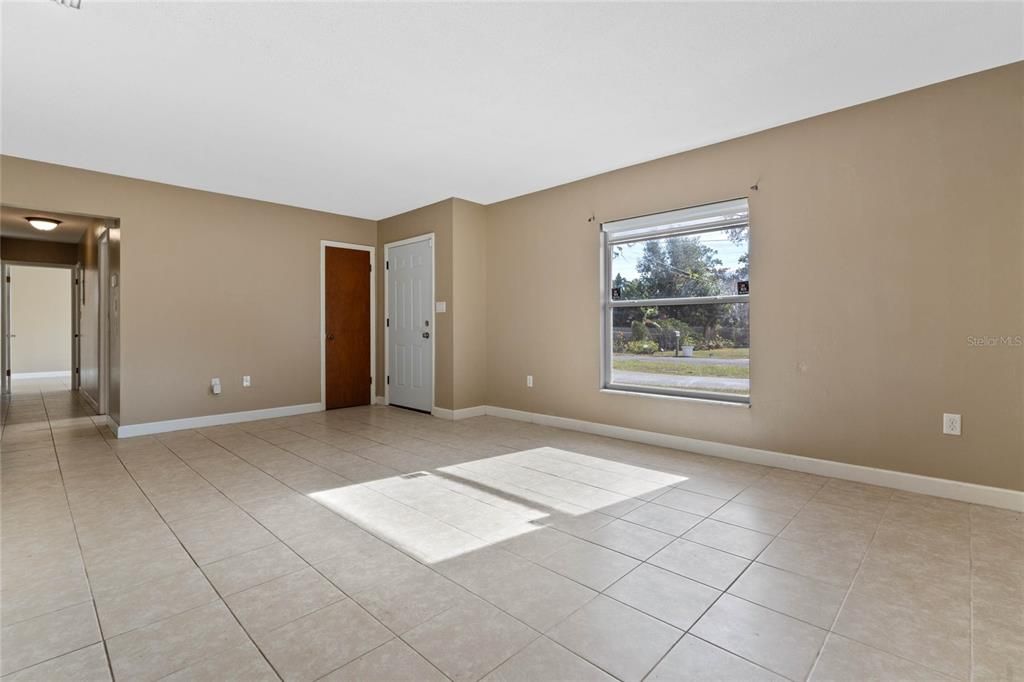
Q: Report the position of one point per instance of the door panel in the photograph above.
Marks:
(410, 332)
(346, 327)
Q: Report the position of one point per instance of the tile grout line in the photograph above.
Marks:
(832, 632)
(395, 638)
(750, 562)
(386, 541)
(195, 563)
(849, 590)
(601, 592)
(117, 457)
(78, 540)
(429, 567)
(970, 578)
(284, 542)
(642, 563)
(198, 568)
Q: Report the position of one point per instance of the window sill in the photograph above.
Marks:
(684, 398)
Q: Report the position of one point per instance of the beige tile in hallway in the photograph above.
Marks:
(379, 544)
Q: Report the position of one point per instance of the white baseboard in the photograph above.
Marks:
(61, 374)
(149, 428)
(464, 413)
(926, 485)
(467, 412)
(379, 400)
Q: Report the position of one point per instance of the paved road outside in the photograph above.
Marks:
(689, 361)
(675, 381)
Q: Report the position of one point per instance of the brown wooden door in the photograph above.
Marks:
(347, 327)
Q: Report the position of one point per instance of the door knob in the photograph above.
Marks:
(426, 335)
(330, 337)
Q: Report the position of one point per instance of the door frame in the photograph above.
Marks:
(324, 245)
(429, 237)
(103, 267)
(76, 327)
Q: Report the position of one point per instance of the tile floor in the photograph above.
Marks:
(379, 544)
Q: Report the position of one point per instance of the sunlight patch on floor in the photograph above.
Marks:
(442, 514)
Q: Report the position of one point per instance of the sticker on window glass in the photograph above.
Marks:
(743, 287)
(616, 293)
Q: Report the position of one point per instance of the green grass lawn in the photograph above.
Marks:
(681, 368)
(719, 353)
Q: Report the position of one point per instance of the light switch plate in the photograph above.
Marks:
(441, 306)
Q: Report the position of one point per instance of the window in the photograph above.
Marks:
(676, 303)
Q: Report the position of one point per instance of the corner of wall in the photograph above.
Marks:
(469, 303)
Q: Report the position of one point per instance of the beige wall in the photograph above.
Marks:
(882, 236)
(41, 319)
(469, 304)
(459, 227)
(436, 218)
(211, 285)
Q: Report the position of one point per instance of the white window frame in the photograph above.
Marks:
(711, 217)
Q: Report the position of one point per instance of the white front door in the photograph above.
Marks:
(410, 325)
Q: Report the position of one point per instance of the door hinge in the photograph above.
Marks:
(387, 265)
(8, 372)
(371, 267)
(371, 381)
(389, 379)
(387, 322)
(77, 370)
(8, 279)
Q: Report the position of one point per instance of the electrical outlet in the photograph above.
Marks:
(529, 381)
(951, 424)
(246, 381)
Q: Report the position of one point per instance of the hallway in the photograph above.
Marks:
(40, 412)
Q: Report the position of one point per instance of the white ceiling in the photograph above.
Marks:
(370, 109)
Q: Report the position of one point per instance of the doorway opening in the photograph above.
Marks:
(40, 301)
(61, 305)
(409, 329)
(347, 325)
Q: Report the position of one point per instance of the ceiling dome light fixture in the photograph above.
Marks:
(44, 224)
(74, 4)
